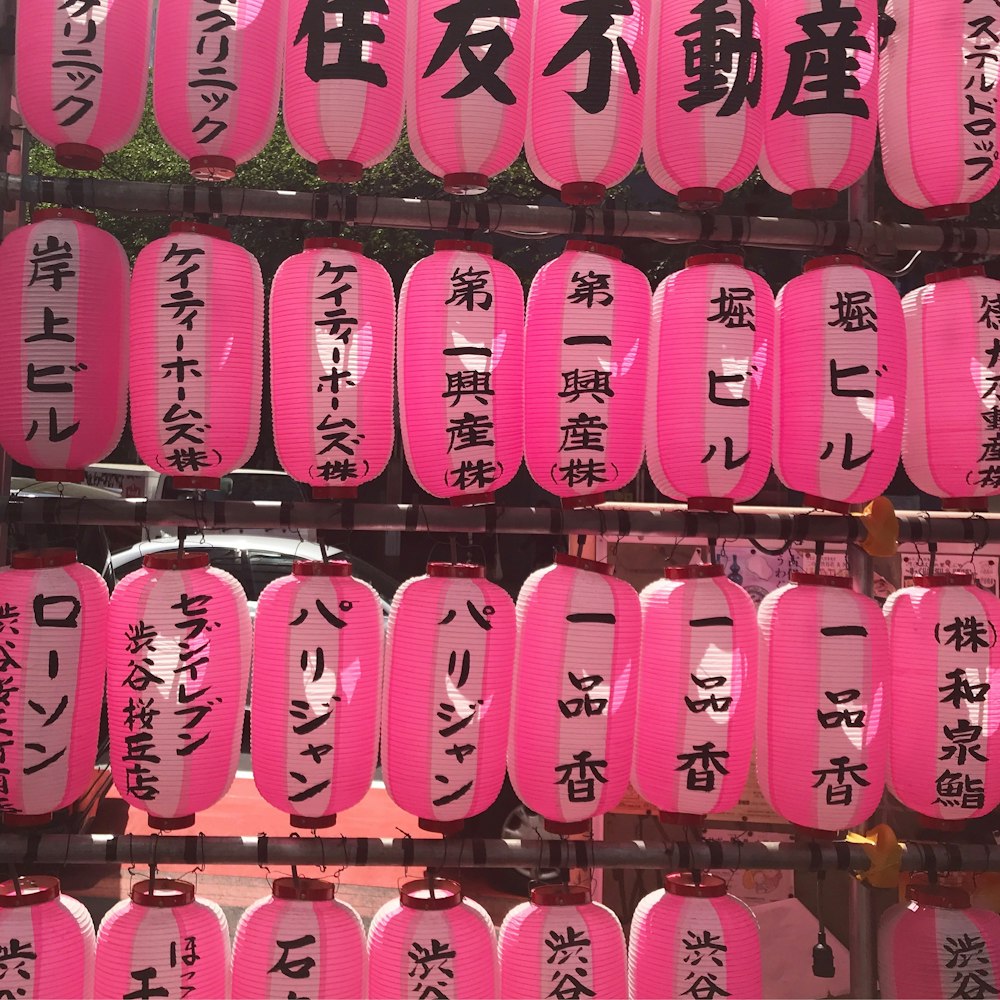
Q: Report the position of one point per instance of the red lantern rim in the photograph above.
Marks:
(314, 567)
(945, 580)
(822, 580)
(703, 572)
(708, 886)
(700, 259)
(944, 897)
(35, 889)
(310, 890)
(164, 893)
(201, 228)
(43, 558)
(175, 560)
(331, 243)
(468, 246)
(951, 273)
(578, 562)
(834, 260)
(590, 246)
(456, 571)
(416, 895)
(560, 895)
(70, 214)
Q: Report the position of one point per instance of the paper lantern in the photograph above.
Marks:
(300, 940)
(588, 69)
(709, 392)
(692, 939)
(460, 371)
(446, 699)
(216, 80)
(820, 96)
(332, 323)
(560, 944)
(467, 88)
(938, 104)
(840, 383)
(573, 710)
(197, 317)
(81, 75)
(315, 697)
(432, 937)
(343, 97)
(704, 120)
(163, 941)
(178, 663)
(696, 692)
(63, 301)
(822, 723)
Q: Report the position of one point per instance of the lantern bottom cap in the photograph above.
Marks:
(567, 829)
(466, 183)
(212, 168)
(582, 193)
(700, 199)
(26, 819)
(59, 475)
(714, 505)
(473, 499)
(312, 822)
(682, 819)
(78, 156)
(958, 210)
(941, 825)
(446, 827)
(591, 500)
(811, 833)
(170, 822)
(968, 505)
(822, 503)
(195, 482)
(335, 493)
(814, 198)
(339, 171)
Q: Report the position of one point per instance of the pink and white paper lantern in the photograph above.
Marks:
(822, 712)
(446, 697)
(840, 383)
(343, 97)
(197, 331)
(216, 80)
(178, 663)
(573, 710)
(585, 107)
(332, 324)
(63, 305)
(81, 75)
(588, 323)
(710, 388)
(467, 88)
(316, 681)
(460, 372)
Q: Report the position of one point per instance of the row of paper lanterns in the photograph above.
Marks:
(704, 91)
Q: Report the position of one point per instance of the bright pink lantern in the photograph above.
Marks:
(938, 104)
(197, 331)
(692, 939)
(570, 750)
(63, 302)
(561, 944)
(163, 938)
(588, 69)
(332, 323)
(840, 386)
(709, 398)
(944, 754)
(467, 88)
(696, 693)
(822, 723)
(703, 127)
(81, 75)
(300, 940)
(178, 663)
(446, 697)
(314, 710)
(343, 96)
(434, 936)
(460, 371)
(820, 96)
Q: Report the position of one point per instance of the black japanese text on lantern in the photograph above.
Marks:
(215, 22)
(78, 60)
(979, 95)
(988, 477)
(184, 955)
(569, 958)
(703, 954)
(337, 37)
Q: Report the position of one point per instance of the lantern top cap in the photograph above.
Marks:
(456, 571)
(834, 260)
(944, 897)
(202, 229)
(173, 559)
(951, 273)
(417, 895)
(164, 893)
(703, 572)
(589, 246)
(945, 580)
(314, 567)
(560, 895)
(822, 580)
(578, 562)
(700, 259)
(70, 214)
(35, 889)
(331, 243)
(467, 246)
(307, 890)
(43, 558)
(684, 884)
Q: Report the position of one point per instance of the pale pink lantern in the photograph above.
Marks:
(216, 80)
(585, 106)
(446, 697)
(820, 96)
(460, 372)
(710, 387)
(560, 943)
(81, 75)
(316, 681)
(703, 132)
(300, 940)
(163, 937)
(693, 939)
(197, 331)
(343, 97)
(840, 383)
(63, 305)
(823, 684)
(938, 105)
(944, 755)
(696, 693)
(588, 324)
(178, 663)
(435, 936)
(573, 710)
(332, 323)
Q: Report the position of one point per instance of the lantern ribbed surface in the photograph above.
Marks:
(332, 323)
(196, 325)
(63, 310)
(710, 387)
(81, 75)
(822, 717)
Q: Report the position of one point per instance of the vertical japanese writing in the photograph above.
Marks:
(10, 685)
(571, 956)
(212, 76)
(184, 957)
(988, 476)
(140, 713)
(78, 61)
(17, 968)
(430, 969)
(704, 955)
(299, 969)
(968, 959)
(980, 99)
(340, 43)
